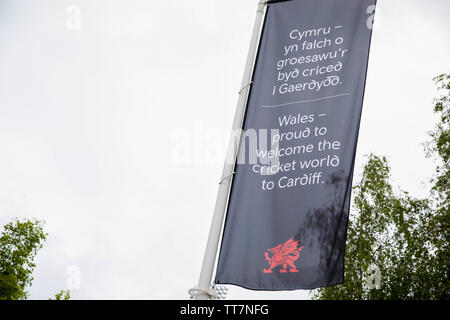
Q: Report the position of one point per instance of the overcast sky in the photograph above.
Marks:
(91, 117)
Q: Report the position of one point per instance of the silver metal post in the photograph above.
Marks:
(203, 291)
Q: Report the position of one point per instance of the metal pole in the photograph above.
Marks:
(203, 292)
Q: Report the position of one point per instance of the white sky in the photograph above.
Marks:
(90, 117)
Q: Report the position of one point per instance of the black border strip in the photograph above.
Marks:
(277, 1)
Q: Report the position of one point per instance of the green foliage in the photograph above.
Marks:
(19, 243)
(398, 239)
(439, 148)
(62, 295)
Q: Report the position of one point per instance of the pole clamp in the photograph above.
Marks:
(225, 178)
(194, 292)
(245, 87)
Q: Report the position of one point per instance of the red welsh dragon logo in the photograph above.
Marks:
(283, 255)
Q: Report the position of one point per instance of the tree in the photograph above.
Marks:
(62, 295)
(19, 243)
(439, 148)
(397, 245)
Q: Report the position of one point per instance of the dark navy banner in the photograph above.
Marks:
(289, 204)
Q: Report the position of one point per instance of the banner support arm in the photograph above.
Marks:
(203, 291)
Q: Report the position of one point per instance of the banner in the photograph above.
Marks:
(288, 209)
